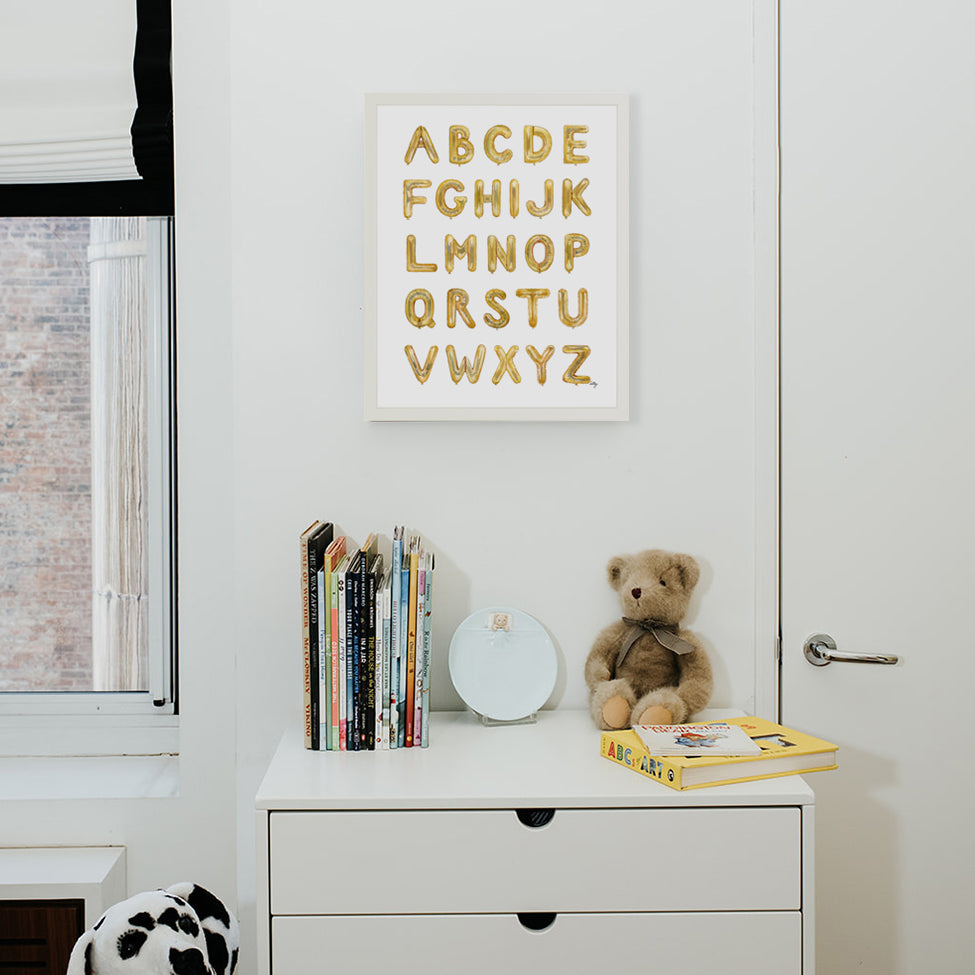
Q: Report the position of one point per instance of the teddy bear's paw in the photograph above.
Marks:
(616, 712)
(656, 714)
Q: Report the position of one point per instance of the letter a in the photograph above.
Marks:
(421, 140)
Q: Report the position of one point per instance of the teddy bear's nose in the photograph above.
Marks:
(636, 593)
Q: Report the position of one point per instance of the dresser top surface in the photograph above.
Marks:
(553, 763)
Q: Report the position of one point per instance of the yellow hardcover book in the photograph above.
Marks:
(784, 752)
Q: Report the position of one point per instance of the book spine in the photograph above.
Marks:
(343, 661)
(404, 615)
(334, 652)
(411, 646)
(353, 596)
(383, 724)
(305, 636)
(324, 664)
(313, 642)
(369, 711)
(427, 652)
(395, 623)
(421, 609)
(635, 758)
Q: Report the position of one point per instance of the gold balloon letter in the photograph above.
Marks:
(479, 198)
(493, 299)
(572, 195)
(581, 353)
(532, 294)
(541, 360)
(513, 197)
(549, 256)
(421, 140)
(420, 294)
(575, 246)
(495, 253)
(490, 149)
(506, 364)
(457, 299)
(461, 147)
(583, 313)
(452, 249)
(421, 372)
(409, 199)
(533, 155)
(570, 144)
(540, 211)
(459, 201)
(464, 367)
(411, 262)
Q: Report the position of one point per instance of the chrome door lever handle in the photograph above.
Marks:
(820, 650)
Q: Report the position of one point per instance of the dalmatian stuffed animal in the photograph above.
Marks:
(182, 930)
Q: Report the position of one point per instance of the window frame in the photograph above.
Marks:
(128, 722)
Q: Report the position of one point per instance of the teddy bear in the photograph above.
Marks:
(645, 669)
(182, 930)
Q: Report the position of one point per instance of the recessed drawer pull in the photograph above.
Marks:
(537, 920)
(533, 818)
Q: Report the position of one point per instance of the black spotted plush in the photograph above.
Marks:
(182, 930)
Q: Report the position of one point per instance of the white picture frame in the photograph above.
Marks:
(496, 278)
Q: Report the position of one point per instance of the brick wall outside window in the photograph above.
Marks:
(45, 465)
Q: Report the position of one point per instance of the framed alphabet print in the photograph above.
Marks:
(496, 257)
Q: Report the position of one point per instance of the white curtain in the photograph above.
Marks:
(67, 94)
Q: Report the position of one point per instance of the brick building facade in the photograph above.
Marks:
(45, 455)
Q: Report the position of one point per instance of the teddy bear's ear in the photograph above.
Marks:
(615, 569)
(80, 961)
(689, 570)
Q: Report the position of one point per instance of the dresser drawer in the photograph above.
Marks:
(756, 944)
(584, 860)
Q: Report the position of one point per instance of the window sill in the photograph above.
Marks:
(104, 777)
(69, 736)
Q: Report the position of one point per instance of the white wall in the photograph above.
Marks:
(536, 528)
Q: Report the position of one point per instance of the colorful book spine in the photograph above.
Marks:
(372, 627)
(328, 655)
(384, 631)
(334, 644)
(318, 542)
(427, 653)
(411, 641)
(354, 595)
(404, 635)
(343, 657)
(395, 624)
(421, 609)
(324, 664)
(305, 628)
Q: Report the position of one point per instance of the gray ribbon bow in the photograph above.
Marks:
(665, 636)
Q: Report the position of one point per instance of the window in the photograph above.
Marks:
(87, 469)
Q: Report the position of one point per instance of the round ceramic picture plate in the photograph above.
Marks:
(503, 674)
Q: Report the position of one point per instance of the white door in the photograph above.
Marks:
(878, 411)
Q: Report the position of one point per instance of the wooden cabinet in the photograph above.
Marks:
(419, 858)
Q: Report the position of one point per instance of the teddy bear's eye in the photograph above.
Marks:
(663, 582)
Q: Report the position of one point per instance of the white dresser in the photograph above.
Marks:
(518, 850)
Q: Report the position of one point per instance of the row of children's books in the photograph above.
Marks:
(365, 640)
